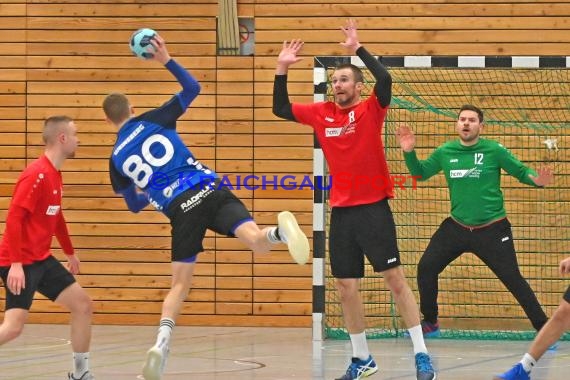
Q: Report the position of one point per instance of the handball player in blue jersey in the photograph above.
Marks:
(150, 164)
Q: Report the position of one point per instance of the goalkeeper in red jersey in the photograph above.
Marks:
(362, 224)
(478, 222)
(26, 262)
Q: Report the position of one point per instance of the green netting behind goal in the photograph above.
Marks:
(527, 110)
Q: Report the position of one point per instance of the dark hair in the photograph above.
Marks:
(356, 72)
(52, 126)
(471, 107)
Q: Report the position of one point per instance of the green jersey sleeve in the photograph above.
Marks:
(423, 169)
(514, 167)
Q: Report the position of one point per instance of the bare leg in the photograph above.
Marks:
(77, 301)
(254, 237)
(13, 324)
(403, 296)
(181, 282)
(182, 274)
(551, 331)
(352, 307)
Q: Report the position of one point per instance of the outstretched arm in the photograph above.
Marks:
(544, 177)
(288, 56)
(383, 86)
(520, 171)
(422, 169)
(190, 86)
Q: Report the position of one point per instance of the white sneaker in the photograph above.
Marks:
(155, 362)
(297, 242)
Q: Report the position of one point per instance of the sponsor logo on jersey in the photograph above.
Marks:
(129, 139)
(196, 199)
(463, 173)
(53, 209)
(339, 131)
(329, 119)
(333, 132)
(454, 160)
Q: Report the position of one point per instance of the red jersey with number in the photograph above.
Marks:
(38, 194)
(352, 144)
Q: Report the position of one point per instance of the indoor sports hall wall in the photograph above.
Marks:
(64, 56)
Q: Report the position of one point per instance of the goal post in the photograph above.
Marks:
(526, 101)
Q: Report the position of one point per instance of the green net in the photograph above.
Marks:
(527, 111)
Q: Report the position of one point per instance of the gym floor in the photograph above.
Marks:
(118, 352)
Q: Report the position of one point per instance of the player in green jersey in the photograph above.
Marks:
(478, 222)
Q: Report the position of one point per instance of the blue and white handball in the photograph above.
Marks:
(140, 43)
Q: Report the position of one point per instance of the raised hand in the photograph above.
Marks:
(565, 266)
(545, 176)
(288, 55)
(160, 53)
(351, 36)
(406, 138)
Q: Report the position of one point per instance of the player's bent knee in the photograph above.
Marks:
(83, 305)
(347, 287)
(13, 330)
(395, 280)
(562, 314)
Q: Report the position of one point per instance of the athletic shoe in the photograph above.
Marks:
(359, 369)
(86, 376)
(430, 330)
(295, 238)
(515, 373)
(155, 362)
(424, 367)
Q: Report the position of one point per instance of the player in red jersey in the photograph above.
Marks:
(26, 262)
(349, 132)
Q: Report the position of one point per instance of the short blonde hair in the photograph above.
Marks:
(117, 107)
(53, 126)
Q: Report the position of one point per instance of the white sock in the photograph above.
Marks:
(275, 236)
(359, 346)
(80, 364)
(528, 362)
(164, 332)
(417, 336)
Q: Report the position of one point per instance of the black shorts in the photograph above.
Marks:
(363, 230)
(195, 211)
(567, 295)
(48, 277)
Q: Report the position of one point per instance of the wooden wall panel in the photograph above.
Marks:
(64, 56)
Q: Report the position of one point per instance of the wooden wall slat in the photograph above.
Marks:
(413, 22)
(513, 10)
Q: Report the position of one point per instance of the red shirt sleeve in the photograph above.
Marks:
(27, 192)
(24, 200)
(13, 232)
(306, 113)
(62, 235)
